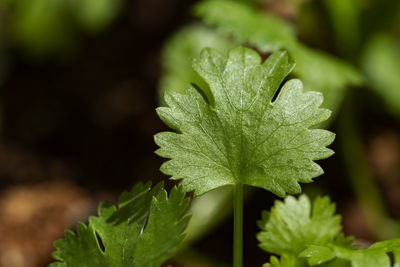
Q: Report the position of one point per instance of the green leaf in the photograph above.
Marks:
(49, 27)
(144, 231)
(345, 17)
(318, 70)
(40, 26)
(303, 236)
(293, 224)
(241, 136)
(381, 63)
(292, 261)
(266, 32)
(284, 261)
(95, 15)
(375, 255)
(317, 254)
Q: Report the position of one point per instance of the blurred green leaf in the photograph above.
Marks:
(345, 16)
(318, 70)
(49, 26)
(40, 26)
(95, 15)
(381, 64)
(324, 73)
(266, 32)
(177, 57)
(379, 16)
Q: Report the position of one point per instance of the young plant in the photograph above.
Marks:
(243, 130)
(304, 235)
(237, 126)
(236, 133)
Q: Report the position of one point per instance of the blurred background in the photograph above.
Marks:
(80, 81)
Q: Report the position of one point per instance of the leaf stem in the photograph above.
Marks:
(238, 225)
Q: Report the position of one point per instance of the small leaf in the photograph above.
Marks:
(295, 233)
(375, 255)
(317, 254)
(284, 261)
(143, 232)
(293, 225)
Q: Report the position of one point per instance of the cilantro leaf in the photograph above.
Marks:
(287, 260)
(239, 136)
(317, 254)
(284, 261)
(293, 224)
(144, 231)
(318, 70)
(304, 235)
(375, 255)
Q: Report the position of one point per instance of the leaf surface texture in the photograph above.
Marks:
(239, 135)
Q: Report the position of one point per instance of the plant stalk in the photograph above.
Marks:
(238, 225)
